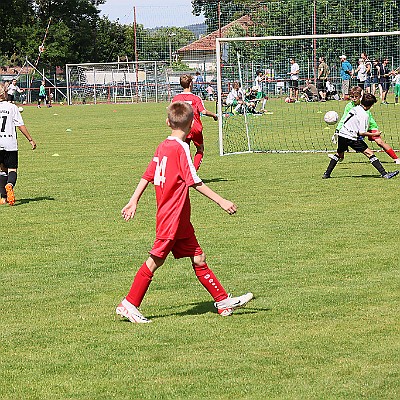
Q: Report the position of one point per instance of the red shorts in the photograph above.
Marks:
(188, 247)
(196, 134)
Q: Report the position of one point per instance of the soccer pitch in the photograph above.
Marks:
(320, 256)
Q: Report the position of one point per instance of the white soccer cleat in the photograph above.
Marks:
(225, 307)
(130, 312)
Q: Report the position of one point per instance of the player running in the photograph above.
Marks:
(196, 133)
(355, 125)
(172, 173)
(355, 96)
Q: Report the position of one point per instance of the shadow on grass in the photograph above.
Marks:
(208, 307)
(26, 201)
(215, 180)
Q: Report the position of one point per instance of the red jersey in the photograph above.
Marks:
(198, 107)
(172, 173)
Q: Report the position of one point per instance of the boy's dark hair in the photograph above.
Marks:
(368, 100)
(180, 115)
(186, 80)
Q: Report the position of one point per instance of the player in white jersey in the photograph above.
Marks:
(355, 126)
(10, 118)
(12, 89)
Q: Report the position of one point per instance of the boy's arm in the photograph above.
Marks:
(210, 114)
(226, 205)
(23, 129)
(129, 211)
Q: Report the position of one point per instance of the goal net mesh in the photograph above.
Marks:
(299, 126)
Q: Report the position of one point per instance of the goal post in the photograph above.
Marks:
(117, 82)
(299, 126)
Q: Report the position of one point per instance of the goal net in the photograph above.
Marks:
(119, 82)
(299, 126)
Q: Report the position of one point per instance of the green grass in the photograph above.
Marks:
(321, 257)
(300, 127)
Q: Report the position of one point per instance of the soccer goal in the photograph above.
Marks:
(118, 82)
(299, 126)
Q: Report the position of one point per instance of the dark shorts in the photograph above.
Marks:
(195, 135)
(321, 85)
(294, 84)
(9, 158)
(385, 84)
(375, 80)
(357, 145)
(10, 97)
(188, 247)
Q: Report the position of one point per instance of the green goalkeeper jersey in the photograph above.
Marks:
(372, 125)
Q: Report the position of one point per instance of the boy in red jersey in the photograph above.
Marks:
(196, 133)
(172, 173)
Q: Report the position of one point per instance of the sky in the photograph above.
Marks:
(151, 13)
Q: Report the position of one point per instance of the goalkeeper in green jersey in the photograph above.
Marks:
(355, 96)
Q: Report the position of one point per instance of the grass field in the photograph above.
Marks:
(321, 257)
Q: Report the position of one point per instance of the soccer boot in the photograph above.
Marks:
(225, 307)
(130, 312)
(390, 175)
(325, 176)
(10, 194)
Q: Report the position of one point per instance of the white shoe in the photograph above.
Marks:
(397, 161)
(225, 307)
(129, 311)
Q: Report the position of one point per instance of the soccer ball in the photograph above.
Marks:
(61, 103)
(20, 109)
(331, 117)
(288, 100)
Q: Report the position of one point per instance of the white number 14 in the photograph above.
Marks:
(159, 175)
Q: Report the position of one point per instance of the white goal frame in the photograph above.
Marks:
(220, 41)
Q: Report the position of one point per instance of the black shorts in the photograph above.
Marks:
(358, 145)
(9, 159)
(321, 86)
(294, 84)
(10, 97)
(385, 84)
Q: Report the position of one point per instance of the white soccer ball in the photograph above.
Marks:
(288, 100)
(331, 117)
(20, 109)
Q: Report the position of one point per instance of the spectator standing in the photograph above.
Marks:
(323, 72)
(361, 72)
(384, 79)
(346, 73)
(368, 72)
(294, 80)
(12, 89)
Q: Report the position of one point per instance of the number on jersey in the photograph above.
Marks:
(159, 175)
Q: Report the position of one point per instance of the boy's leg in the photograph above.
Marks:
(142, 280)
(207, 278)
(389, 151)
(3, 183)
(334, 159)
(10, 185)
(373, 159)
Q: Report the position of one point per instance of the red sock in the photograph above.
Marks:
(198, 158)
(140, 285)
(392, 154)
(210, 282)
